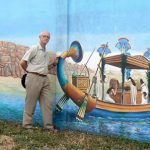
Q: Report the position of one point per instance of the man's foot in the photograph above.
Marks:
(51, 128)
(28, 127)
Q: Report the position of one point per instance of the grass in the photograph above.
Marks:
(38, 139)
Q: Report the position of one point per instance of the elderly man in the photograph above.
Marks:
(36, 62)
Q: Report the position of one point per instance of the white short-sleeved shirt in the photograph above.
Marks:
(38, 59)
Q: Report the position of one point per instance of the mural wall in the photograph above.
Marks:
(107, 86)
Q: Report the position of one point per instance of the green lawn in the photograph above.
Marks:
(13, 136)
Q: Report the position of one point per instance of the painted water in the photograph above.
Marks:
(12, 106)
(127, 125)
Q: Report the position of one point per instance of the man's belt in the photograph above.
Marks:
(42, 75)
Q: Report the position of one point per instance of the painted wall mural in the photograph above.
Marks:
(101, 85)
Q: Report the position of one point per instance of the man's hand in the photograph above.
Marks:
(23, 64)
(56, 61)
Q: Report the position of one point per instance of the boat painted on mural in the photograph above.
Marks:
(103, 118)
(73, 92)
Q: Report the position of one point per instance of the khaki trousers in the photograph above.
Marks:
(37, 88)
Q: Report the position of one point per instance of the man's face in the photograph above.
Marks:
(45, 37)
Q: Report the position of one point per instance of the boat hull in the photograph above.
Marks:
(78, 96)
(122, 108)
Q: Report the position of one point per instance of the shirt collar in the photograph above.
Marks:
(41, 48)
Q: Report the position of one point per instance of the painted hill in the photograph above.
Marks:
(11, 54)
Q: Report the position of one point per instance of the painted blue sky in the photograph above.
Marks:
(92, 22)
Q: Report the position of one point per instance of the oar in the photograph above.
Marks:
(64, 99)
(82, 109)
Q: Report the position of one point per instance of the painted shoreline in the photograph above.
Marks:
(13, 86)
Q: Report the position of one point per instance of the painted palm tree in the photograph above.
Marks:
(147, 55)
(123, 45)
(103, 51)
(128, 71)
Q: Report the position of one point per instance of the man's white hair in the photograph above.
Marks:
(44, 32)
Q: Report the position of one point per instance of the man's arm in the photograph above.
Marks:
(54, 63)
(23, 64)
(31, 53)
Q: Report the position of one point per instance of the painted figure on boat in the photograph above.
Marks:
(133, 91)
(144, 92)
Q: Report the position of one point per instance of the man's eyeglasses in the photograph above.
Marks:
(46, 36)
